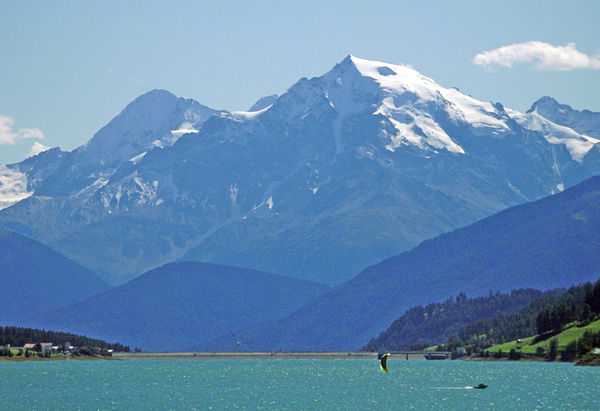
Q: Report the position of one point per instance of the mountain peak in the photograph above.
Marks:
(150, 101)
(156, 93)
(583, 122)
(398, 79)
(366, 148)
(545, 104)
(405, 97)
(153, 119)
(387, 74)
(263, 102)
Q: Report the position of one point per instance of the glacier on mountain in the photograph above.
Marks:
(578, 144)
(339, 172)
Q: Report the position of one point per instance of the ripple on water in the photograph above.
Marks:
(297, 384)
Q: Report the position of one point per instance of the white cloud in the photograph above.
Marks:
(13, 187)
(6, 134)
(547, 56)
(37, 148)
(11, 137)
(35, 133)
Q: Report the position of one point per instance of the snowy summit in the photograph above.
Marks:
(341, 171)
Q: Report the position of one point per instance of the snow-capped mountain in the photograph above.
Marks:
(339, 172)
(155, 119)
(584, 122)
(578, 144)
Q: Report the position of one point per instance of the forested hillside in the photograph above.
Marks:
(477, 324)
(433, 324)
(565, 324)
(561, 306)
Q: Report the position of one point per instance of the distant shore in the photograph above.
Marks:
(266, 355)
(228, 355)
(235, 355)
(274, 355)
(589, 360)
(54, 358)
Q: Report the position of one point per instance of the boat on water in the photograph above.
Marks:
(480, 387)
(436, 356)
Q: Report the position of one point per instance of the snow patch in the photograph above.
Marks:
(477, 113)
(146, 192)
(233, 192)
(415, 128)
(401, 79)
(92, 188)
(268, 202)
(577, 144)
(248, 115)
(184, 128)
(135, 160)
(132, 189)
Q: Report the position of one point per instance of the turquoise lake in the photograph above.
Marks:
(296, 384)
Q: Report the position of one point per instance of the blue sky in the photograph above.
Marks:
(67, 68)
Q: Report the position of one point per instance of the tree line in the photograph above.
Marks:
(435, 323)
(483, 334)
(481, 322)
(18, 337)
(545, 317)
(577, 304)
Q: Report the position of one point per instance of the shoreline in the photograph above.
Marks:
(268, 355)
(51, 359)
(242, 355)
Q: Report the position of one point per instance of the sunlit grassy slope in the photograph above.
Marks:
(565, 337)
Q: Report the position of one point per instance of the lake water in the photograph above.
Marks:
(296, 384)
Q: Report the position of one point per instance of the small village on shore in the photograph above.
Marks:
(50, 351)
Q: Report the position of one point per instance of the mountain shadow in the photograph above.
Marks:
(549, 243)
(180, 305)
(36, 278)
